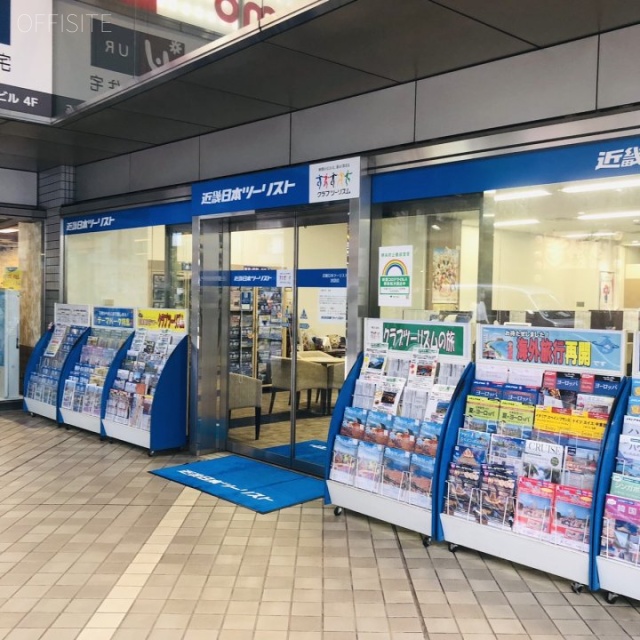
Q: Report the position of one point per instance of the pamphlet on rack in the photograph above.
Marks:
(544, 397)
(388, 439)
(157, 334)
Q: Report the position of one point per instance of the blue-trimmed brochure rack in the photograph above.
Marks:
(82, 392)
(528, 487)
(146, 404)
(44, 369)
(385, 465)
(593, 565)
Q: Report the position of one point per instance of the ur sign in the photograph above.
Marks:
(217, 15)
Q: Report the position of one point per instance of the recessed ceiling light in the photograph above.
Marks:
(608, 215)
(602, 186)
(598, 234)
(435, 227)
(516, 223)
(521, 195)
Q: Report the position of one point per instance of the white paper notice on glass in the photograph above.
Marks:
(284, 278)
(332, 304)
(394, 276)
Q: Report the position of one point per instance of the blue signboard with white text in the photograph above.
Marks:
(115, 318)
(594, 160)
(264, 190)
(176, 213)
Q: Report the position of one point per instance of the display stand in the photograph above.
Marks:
(43, 373)
(147, 400)
(615, 576)
(401, 338)
(81, 395)
(541, 554)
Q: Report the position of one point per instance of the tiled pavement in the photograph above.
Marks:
(95, 548)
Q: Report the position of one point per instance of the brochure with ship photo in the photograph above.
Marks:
(543, 461)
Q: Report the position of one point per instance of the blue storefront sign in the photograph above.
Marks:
(262, 190)
(177, 213)
(594, 160)
(253, 278)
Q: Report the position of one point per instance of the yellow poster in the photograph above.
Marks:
(12, 278)
(158, 319)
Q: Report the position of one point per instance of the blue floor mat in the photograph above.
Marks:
(249, 483)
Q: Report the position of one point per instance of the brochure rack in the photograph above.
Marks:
(402, 340)
(146, 404)
(81, 395)
(45, 366)
(542, 553)
(607, 573)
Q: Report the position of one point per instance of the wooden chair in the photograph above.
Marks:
(310, 375)
(245, 392)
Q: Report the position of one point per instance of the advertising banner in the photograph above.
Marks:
(116, 318)
(174, 320)
(334, 180)
(559, 349)
(450, 338)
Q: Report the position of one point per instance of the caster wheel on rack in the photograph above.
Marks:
(426, 541)
(453, 547)
(612, 597)
(576, 587)
(33, 415)
(152, 453)
(338, 511)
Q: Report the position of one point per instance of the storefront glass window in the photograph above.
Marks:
(564, 254)
(142, 267)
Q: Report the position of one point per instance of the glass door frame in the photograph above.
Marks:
(209, 324)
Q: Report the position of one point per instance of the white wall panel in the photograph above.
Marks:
(170, 164)
(619, 77)
(18, 187)
(104, 178)
(371, 121)
(251, 147)
(544, 84)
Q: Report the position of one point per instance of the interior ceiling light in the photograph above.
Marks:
(11, 230)
(516, 223)
(488, 215)
(436, 227)
(521, 195)
(598, 234)
(608, 215)
(602, 186)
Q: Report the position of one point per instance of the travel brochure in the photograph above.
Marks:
(526, 457)
(130, 398)
(620, 538)
(42, 385)
(388, 455)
